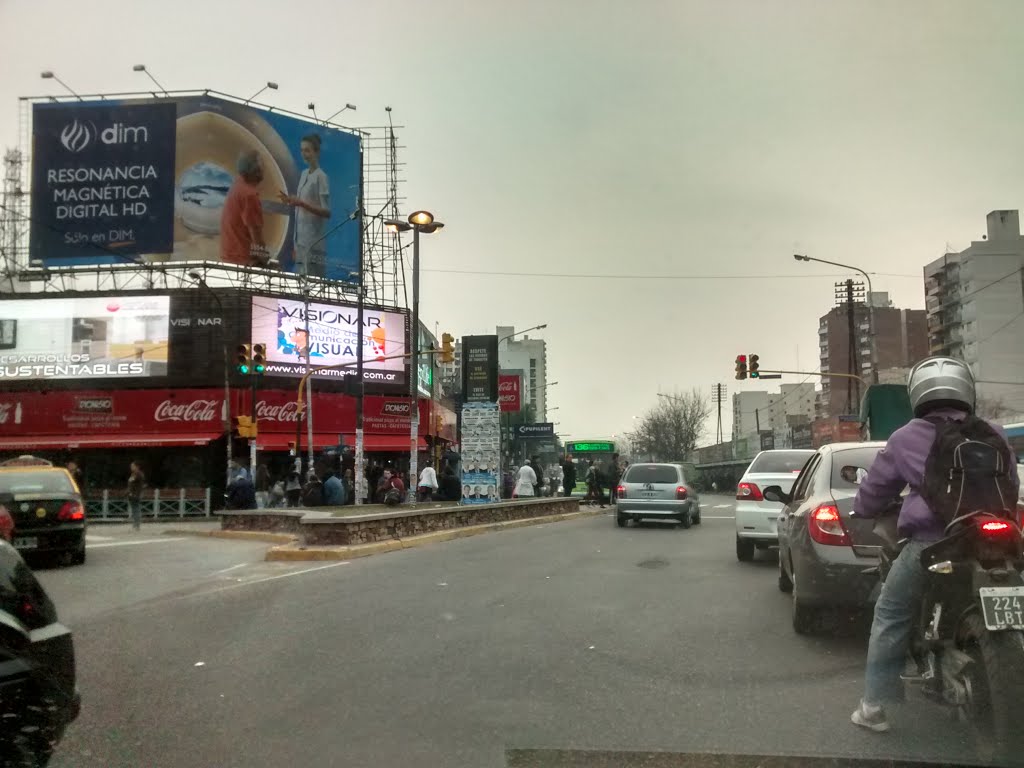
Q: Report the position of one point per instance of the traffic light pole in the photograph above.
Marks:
(252, 441)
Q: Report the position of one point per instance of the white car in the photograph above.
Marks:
(756, 518)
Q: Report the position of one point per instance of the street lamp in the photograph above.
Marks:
(226, 410)
(871, 308)
(525, 330)
(142, 68)
(418, 221)
(271, 85)
(48, 75)
(347, 106)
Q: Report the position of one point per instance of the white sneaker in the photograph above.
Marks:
(870, 717)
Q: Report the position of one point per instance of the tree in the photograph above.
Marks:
(670, 430)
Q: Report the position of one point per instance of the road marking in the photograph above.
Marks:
(133, 543)
(717, 517)
(272, 578)
(93, 537)
(230, 568)
(722, 506)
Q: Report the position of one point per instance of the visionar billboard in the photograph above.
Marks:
(85, 337)
(333, 339)
(192, 178)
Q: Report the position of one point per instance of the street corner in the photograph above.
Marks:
(295, 552)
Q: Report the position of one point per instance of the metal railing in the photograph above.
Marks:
(160, 503)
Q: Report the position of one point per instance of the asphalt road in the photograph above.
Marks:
(511, 648)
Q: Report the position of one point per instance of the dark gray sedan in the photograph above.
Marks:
(826, 556)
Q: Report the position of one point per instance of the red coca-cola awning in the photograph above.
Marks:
(385, 442)
(282, 441)
(138, 440)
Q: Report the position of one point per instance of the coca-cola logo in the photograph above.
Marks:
(286, 412)
(5, 412)
(94, 404)
(197, 410)
(396, 409)
(508, 386)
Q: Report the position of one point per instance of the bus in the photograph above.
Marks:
(579, 452)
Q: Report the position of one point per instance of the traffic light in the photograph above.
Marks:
(243, 359)
(447, 351)
(259, 358)
(741, 367)
(753, 367)
(246, 426)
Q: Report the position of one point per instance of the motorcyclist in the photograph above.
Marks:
(939, 387)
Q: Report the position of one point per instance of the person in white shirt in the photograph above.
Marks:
(427, 486)
(526, 478)
(312, 204)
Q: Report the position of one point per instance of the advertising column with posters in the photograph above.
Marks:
(192, 178)
(481, 468)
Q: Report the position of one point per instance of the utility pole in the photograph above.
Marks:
(846, 292)
(718, 393)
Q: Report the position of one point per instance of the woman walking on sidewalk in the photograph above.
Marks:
(136, 484)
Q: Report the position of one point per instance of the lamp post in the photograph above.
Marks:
(226, 409)
(271, 85)
(142, 68)
(871, 308)
(359, 464)
(418, 221)
(48, 75)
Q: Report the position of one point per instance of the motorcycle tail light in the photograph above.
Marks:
(997, 530)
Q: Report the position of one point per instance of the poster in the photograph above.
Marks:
(481, 465)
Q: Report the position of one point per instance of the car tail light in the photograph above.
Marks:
(6, 525)
(71, 511)
(748, 492)
(826, 526)
(681, 492)
(621, 491)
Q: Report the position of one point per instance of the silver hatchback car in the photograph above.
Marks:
(656, 491)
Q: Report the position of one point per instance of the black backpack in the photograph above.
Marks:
(313, 494)
(968, 468)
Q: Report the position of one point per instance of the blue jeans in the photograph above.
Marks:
(135, 512)
(893, 625)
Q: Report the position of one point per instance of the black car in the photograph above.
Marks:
(38, 697)
(48, 510)
(826, 556)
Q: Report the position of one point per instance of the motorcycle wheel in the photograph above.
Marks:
(995, 682)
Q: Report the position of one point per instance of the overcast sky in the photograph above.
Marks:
(666, 141)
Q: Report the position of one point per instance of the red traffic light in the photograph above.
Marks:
(741, 358)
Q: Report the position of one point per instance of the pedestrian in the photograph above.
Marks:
(136, 484)
(350, 486)
(277, 495)
(450, 490)
(392, 488)
(593, 480)
(538, 471)
(293, 489)
(263, 483)
(427, 484)
(568, 477)
(241, 494)
(526, 482)
(613, 475)
(334, 490)
(313, 491)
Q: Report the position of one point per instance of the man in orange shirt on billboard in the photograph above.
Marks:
(241, 223)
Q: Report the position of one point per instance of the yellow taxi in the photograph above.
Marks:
(45, 508)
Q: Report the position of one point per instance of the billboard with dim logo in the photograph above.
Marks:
(192, 178)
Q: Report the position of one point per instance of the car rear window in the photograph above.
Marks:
(651, 473)
(854, 457)
(24, 482)
(780, 461)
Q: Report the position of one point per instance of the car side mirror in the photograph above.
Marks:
(775, 493)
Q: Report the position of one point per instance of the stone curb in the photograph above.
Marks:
(291, 552)
(266, 536)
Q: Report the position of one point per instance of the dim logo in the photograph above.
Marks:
(77, 135)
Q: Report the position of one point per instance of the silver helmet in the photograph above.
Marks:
(941, 379)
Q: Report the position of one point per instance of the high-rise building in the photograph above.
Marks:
(975, 306)
(531, 357)
(793, 403)
(749, 411)
(901, 340)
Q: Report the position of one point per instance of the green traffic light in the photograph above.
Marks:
(259, 368)
(243, 369)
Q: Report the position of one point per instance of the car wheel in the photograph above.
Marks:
(620, 520)
(685, 521)
(696, 518)
(744, 550)
(78, 558)
(805, 618)
(785, 583)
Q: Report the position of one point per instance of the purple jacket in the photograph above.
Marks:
(899, 464)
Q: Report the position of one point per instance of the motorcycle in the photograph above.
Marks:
(968, 638)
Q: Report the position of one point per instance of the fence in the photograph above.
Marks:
(156, 503)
